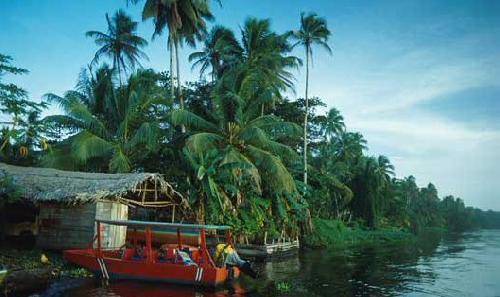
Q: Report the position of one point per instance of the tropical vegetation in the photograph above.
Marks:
(234, 142)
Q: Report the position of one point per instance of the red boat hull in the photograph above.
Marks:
(204, 275)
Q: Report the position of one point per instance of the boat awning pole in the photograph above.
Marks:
(179, 239)
(207, 260)
(99, 252)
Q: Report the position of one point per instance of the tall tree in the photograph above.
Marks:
(221, 50)
(23, 130)
(120, 43)
(243, 140)
(109, 129)
(185, 21)
(313, 31)
(334, 125)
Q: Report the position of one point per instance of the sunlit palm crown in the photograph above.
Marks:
(108, 122)
(120, 43)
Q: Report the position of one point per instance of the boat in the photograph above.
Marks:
(277, 248)
(171, 262)
(267, 251)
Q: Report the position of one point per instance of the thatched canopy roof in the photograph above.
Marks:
(51, 185)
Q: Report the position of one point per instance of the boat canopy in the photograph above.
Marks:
(161, 225)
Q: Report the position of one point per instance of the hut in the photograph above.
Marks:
(69, 202)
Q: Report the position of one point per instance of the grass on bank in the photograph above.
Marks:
(29, 259)
(334, 233)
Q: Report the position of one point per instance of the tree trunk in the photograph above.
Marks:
(306, 115)
(179, 90)
(170, 49)
(120, 75)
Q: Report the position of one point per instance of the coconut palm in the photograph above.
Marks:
(264, 72)
(385, 169)
(120, 43)
(244, 138)
(221, 51)
(349, 146)
(185, 21)
(313, 31)
(334, 125)
(107, 128)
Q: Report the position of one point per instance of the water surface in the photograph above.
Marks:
(434, 265)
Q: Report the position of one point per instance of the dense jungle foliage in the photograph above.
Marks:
(234, 142)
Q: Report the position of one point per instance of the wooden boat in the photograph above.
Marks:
(167, 263)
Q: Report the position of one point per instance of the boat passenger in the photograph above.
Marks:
(139, 253)
(225, 255)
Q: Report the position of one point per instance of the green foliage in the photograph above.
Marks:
(231, 145)
(23, 133)
(120, 43)
(117, 124)
(335, 233)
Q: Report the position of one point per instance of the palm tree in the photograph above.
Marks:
(334, 125)
(185, 21)
(221, 51)
(263, 73)
(385, 169)
(121, 43)
(313, 31)
(243, 139)
(349, 146)
(110, 128)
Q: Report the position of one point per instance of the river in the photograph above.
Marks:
(466, 264)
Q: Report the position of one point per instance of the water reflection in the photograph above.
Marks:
(453, 265)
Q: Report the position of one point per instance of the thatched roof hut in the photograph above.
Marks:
(69, 202)
(52, 185)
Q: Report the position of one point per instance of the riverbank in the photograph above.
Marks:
(334, 233)
(33, 269)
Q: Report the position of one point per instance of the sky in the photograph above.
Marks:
(419, 79)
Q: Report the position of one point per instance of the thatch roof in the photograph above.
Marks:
(51, 185)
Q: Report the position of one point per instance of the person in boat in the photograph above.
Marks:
(226, 255)
(181, 256)
(139, 253)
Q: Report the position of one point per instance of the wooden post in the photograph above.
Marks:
(179, 239)
(156, 192)
(99, 252)
(229, 239)
(205, 255)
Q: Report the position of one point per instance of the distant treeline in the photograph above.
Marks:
(233, 144)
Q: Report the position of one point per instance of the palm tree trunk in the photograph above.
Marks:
(179, 90)
(306, 115)
(120, 75)
(170, 49)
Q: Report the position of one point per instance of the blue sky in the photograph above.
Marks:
(420, 79)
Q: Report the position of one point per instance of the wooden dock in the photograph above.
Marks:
(277, 249)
